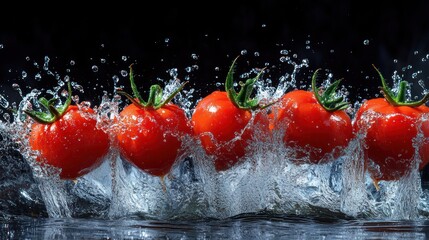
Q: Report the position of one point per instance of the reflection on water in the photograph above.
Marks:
(256, 226)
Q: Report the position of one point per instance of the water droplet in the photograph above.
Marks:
(94, 68)
(24, 74)
(27, 58)
(102, 60)
(194, 56)
(366, 42)
(216, 69)
(256, 54)
(284, 52)
(124, 58)
(38, 77)
(173, 72)
(46, 63)
(115, 78)
(124, 73)
(72, 62)
(3, 102)
(166, 40)
(264, 25)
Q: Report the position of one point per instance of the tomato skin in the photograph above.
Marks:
(310, 129)
(217, 121)
(152, 139)
(389, 137)
(72, 143)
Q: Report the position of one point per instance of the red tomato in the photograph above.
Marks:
(224, 129)
(151, 139)
(316, 134)
(152, 132)
(389, 126)
(390, 131)
(222, 121)
(72, 143)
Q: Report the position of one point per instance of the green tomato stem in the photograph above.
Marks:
(400, 98)
(53, 113)
(242, 99)
(328, 100)
(155, 94)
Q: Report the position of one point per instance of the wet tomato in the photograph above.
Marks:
(152, 133)
(315, 126)
(68, 139)
(389, 126)
(226, 121)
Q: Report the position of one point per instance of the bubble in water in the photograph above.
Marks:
(332, 51)
(218, 84)
(27, 58)
(102, 60)
(295, 55)
(38, 77)
(366, 42)
(243, 52)
(166, 40)
(395, 60)
(284, 52)
(284, 59)
(124, 73)
(256, 54)
(24, 74)
(264, 25)
(46, 63)
(216, 69)
(416, 52)
(1, 46)
(173, 72)
(307, 42)
(94, 68)
(3, 102)
(307, 47)
(188, 69)
(115, 78)
(124, 58)
(194, 56)
(66, 78)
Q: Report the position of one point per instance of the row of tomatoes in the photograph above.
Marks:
(313, 123)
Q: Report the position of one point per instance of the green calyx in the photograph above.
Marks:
(242, 99)
(328, 99)
(53, 113)
(155, 94)
(399, 99)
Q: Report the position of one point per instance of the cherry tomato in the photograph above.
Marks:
(70, 141)
(316, 127)
(389, 126)
(151, 139)
(224, 123)
(151, 133)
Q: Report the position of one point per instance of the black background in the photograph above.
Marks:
(216, 32)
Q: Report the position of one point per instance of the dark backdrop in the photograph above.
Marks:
(163, 35)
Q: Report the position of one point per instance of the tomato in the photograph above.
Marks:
(225, 124)
(70, 141)
(151, 134)
(389, 126)
(316, 127)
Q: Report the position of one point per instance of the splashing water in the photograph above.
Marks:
(266, 180)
